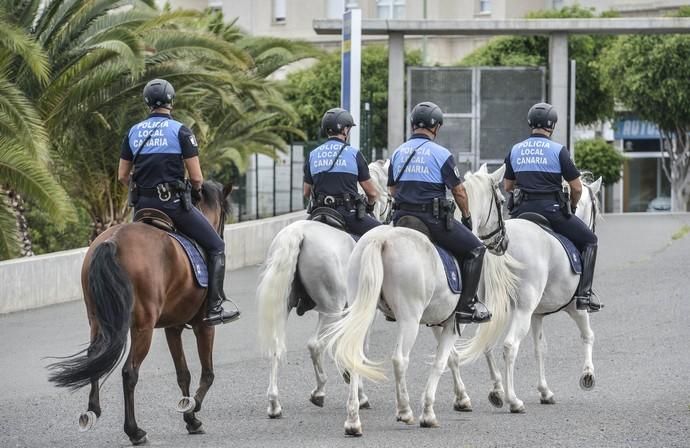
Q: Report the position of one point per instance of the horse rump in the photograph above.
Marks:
(110, 291)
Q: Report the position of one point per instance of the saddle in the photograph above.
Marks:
(155, 218)
(569, 247)
(195, 254)
(328, 216)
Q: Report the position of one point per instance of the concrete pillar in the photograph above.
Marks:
(558, 83)
(396, 91)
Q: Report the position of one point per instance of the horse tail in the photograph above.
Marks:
(110, 291)
(500, 286)
(274, 289)
(346, 338)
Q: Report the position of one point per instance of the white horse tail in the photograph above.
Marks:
(500, 287)
(274, 288)
(346, 338)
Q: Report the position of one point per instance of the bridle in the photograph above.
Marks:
(387, 212)
(593, 217)
(499, 245)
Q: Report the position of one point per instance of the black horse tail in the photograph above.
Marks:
(110, 290)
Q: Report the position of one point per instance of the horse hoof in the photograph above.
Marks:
(87, 421)
(346, 377)
(496, 399)
(185, 405)
(317, 400)
(430, 423)
(587, 381)
(198, 430)
(517, 409)
(463, 406)
(550, 400)
(408, 419)
(353, 430)
(364, 405)
(273, 414)
(141, 440)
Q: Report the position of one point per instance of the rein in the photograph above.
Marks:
(500, 244)
(593, 219)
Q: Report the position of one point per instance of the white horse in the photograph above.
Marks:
(399, 270)
(547, 285)
(307, 260)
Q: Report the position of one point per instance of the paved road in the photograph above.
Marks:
(641, 357)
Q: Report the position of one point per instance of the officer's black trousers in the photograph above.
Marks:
(355, 225)
(190, 222)
(458, 240)
(571, 227)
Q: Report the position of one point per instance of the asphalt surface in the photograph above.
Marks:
(641, 359)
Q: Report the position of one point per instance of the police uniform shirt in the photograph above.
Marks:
(430, 171)
(161, 158)
(537, 165)
(349, 169)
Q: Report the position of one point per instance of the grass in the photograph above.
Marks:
(680, 233)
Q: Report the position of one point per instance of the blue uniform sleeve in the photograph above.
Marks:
(190, 147)
(568, 168)
(391, 179)
(362, 168)
(449, 173)
(307, 173)
(509, 174)
(125, 150)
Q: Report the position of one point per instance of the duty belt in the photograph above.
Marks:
(164, 191)
(527, 196)
(408, 207)
(332, 201)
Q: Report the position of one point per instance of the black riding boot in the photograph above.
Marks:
(215, 314)
(585, 300)
(469, 309)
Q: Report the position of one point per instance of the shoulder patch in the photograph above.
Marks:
(457, 172)
(192, 140)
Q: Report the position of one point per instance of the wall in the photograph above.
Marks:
(55, 278)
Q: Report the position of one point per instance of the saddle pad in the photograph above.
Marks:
(570, 250)
(451, 268)
(354, 237)
(195, 258)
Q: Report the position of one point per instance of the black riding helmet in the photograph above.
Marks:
(426, 115)
(335, 120)
(542, 115)
(159, 93)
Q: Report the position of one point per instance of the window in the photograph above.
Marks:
(390, 9)
(279, 11)
(484, 6)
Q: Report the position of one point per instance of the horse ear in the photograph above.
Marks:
(595, 186)
(482, 169)
(227, 189)
(497, 175)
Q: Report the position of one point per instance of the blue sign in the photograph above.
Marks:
(346, 61)
(635, 129)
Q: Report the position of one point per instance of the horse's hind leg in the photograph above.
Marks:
(445, 345)
(141, 342)
(462, 400)
(184, 378)
(496, 394)
(316, 346)
(401, 359)
(88, 419)
(581, 318)
(546, 395)
(519, 326)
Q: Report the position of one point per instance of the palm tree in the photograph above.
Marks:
(24, 153)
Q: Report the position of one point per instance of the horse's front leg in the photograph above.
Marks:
(445, 345)
(497, 394)
(316, 347)
(408, 330)
(141, 342)
(545, 394)
(581, 318)
(184, 378)
(204, 343)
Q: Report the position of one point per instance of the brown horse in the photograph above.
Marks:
(135, 278)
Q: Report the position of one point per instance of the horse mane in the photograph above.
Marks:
(212, 193)
(473, 186)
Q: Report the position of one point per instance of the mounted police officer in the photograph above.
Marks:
(535, 168)
(418, 175)
(333, 170)
(159, 149)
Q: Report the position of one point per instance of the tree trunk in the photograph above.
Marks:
(17, 204)
(679, 197)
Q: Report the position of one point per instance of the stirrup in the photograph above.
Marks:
(476, 313)
(221, 316)
(586, 303)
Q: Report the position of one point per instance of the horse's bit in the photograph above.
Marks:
(500, 244)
